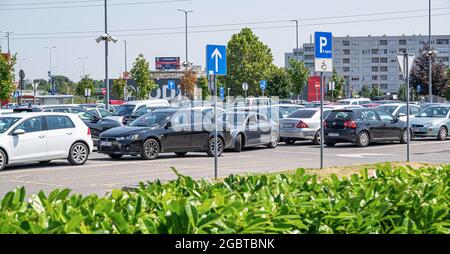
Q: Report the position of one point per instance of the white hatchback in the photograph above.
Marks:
(42, 137)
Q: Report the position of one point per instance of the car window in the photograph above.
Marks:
(402, 110)
(31, 125)
(368, 115)
(414, 110)
(262, 119)
(85, 116)
(302, 113)
(104, 112)
(7, 122)
(61, 110)
(140, 107)
(251, 120)
(180, 118)
(59, 122)
(384, 116)
(340, 115)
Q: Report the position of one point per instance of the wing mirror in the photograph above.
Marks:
(19, 132)
(168, 125)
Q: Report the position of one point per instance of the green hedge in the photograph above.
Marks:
(395, 200)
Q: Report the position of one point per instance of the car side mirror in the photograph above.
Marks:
(401, 114)
(19, 132)
(96, 118)
(168, 125)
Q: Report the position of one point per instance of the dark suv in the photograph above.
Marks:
(362, 127)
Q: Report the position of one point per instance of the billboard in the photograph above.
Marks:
(167, 63)
(314, 88)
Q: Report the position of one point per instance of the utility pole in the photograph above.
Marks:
(50, 74)
(430, 66)
(186, 33)
(106, 58)
(8, 35)
(126, 71)
(82, 60)
(296, 39)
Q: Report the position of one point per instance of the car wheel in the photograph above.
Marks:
(363, 139)
(211, 147)
(2, 160)
(404, 137)
(442, 135)
(78, 154)
(238, 143)
(316, 140)
(273, 140)
(115, 156)
(289, 141)
(150, 149)
(44, 162)
(329, 144)
(181, 154)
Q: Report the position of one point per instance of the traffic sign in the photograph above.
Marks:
(263, 84)
(104, 91)
(171, 84)
(402, 63)
(317, 85)
(418, 88)
(222, 92)
(331, 86)
(245, 86)
(216, 60)
(323, 51)
(22, 74)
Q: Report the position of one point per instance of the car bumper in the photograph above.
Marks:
(122, 148)
(425, 132)
(298, 133)
(344, 137)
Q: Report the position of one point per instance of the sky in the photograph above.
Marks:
(32, 28)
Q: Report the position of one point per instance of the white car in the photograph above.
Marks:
(399, 110)
(133, 106)
(42, 137)
(353, 102)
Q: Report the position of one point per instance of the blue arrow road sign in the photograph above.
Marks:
(263, 84)
(216, 60)
(323, 45)
(222, 93)
(171, 84)
(418, 88)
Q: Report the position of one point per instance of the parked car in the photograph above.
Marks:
(42, 137)
(96, 124)
(176, 131)
(135, 115)
(362, 127)
(252, 129)
(357, 101)
(303, 124)
(253, 101)
(399, 110)
(133, 106)
(100, 112)
(287, 109)
(433, 121)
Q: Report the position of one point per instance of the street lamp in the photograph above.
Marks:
(107, 38)
(296, 38)
(430, 64)
(50, 73)
(82, 60)
(20, 62)
(430, 53)
(186, 29)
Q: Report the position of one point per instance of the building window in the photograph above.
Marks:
(374, 68)
(384, 86)
(442, 59)
(346, 69)
(383, 77)
(375, 51)
(375, 60)
(309, 57)
(442, 41)
(402, 50)
(355, 78)
(383, 68)
(400, 77)
(383, 60)
(384, 51)
(383, 42)
(309, 49)
(346, 51)
(374, 77)
(402, 42)
(346, 60)
(345, 43)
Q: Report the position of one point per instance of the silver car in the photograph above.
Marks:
(303, 124)
(433, 121)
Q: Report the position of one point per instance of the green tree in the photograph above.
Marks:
(298, 75)
(43, 85)
(339, 83)
(375, 91)
(64, 85)
(248, 60)
(85, 83)
(118, 87)
(279, 84)
(402, 92)
(142, 77)
(6, 77)
(202, 83)
(365, 92)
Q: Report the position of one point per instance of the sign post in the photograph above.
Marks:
(323, 63)
(263, 86)
(406, 62)
(87, 94)
(332, 87)
(22, 78)
(216, 64)
(245, 88)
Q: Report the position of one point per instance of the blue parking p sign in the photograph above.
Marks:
(323, 45)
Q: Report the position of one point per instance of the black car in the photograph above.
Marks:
(163, 131)
(135, 115)
(362, 127)
(95, 123)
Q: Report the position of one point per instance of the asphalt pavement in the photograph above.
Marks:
(101, 174)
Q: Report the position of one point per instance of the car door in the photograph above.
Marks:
(179, 135)
(264, 129)
(32, 145)
(251, 130)
(60, 135)
(202, 126)
(373, 123)
(390, 129)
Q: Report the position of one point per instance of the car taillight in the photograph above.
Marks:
(302, 125)
(89, 132)
(350, 125)
(325, 124)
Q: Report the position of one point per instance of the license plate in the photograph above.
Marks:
(288, 125)
(106, 143)
(417, 130)
(333, 134)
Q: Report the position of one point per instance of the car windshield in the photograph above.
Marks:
(303, 114)
(340, 115)
(124, 110)
(142, 112)
(437, 112)
(343, 102)
(389, 109)
(7, 122)
(151, 119)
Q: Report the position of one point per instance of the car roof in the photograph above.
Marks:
(35, 114)
(146, 101)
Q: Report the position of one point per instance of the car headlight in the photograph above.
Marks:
(128, 138)
(428, 125)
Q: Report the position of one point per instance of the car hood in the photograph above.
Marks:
(125, 131)
(425, 120)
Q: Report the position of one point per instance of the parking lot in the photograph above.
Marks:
(101, 174)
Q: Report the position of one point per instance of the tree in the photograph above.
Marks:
(298, 75)
(142, 77)
(6, 77)
(279, 84)
(248, 60)
(375, 91)
(203, 84)
(339, 82)
(402, 92)
(365, 93)
(419, 74)
(119, 86)
(85, 83)
(187, 84)
(43, 85)
(64, 85)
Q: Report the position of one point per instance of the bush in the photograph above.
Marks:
(399, 200)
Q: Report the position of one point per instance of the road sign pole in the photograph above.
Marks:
(408, 130)
(215, 128)
(321, 121)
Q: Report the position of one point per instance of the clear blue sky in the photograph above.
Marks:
(206, 12)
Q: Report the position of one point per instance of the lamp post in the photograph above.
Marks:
(82, 60)
(8, 35)
(50, 73)
(186, 33)
(430, 64)
(126, 71)
(296, 39)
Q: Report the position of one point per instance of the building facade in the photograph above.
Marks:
(372, 60)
